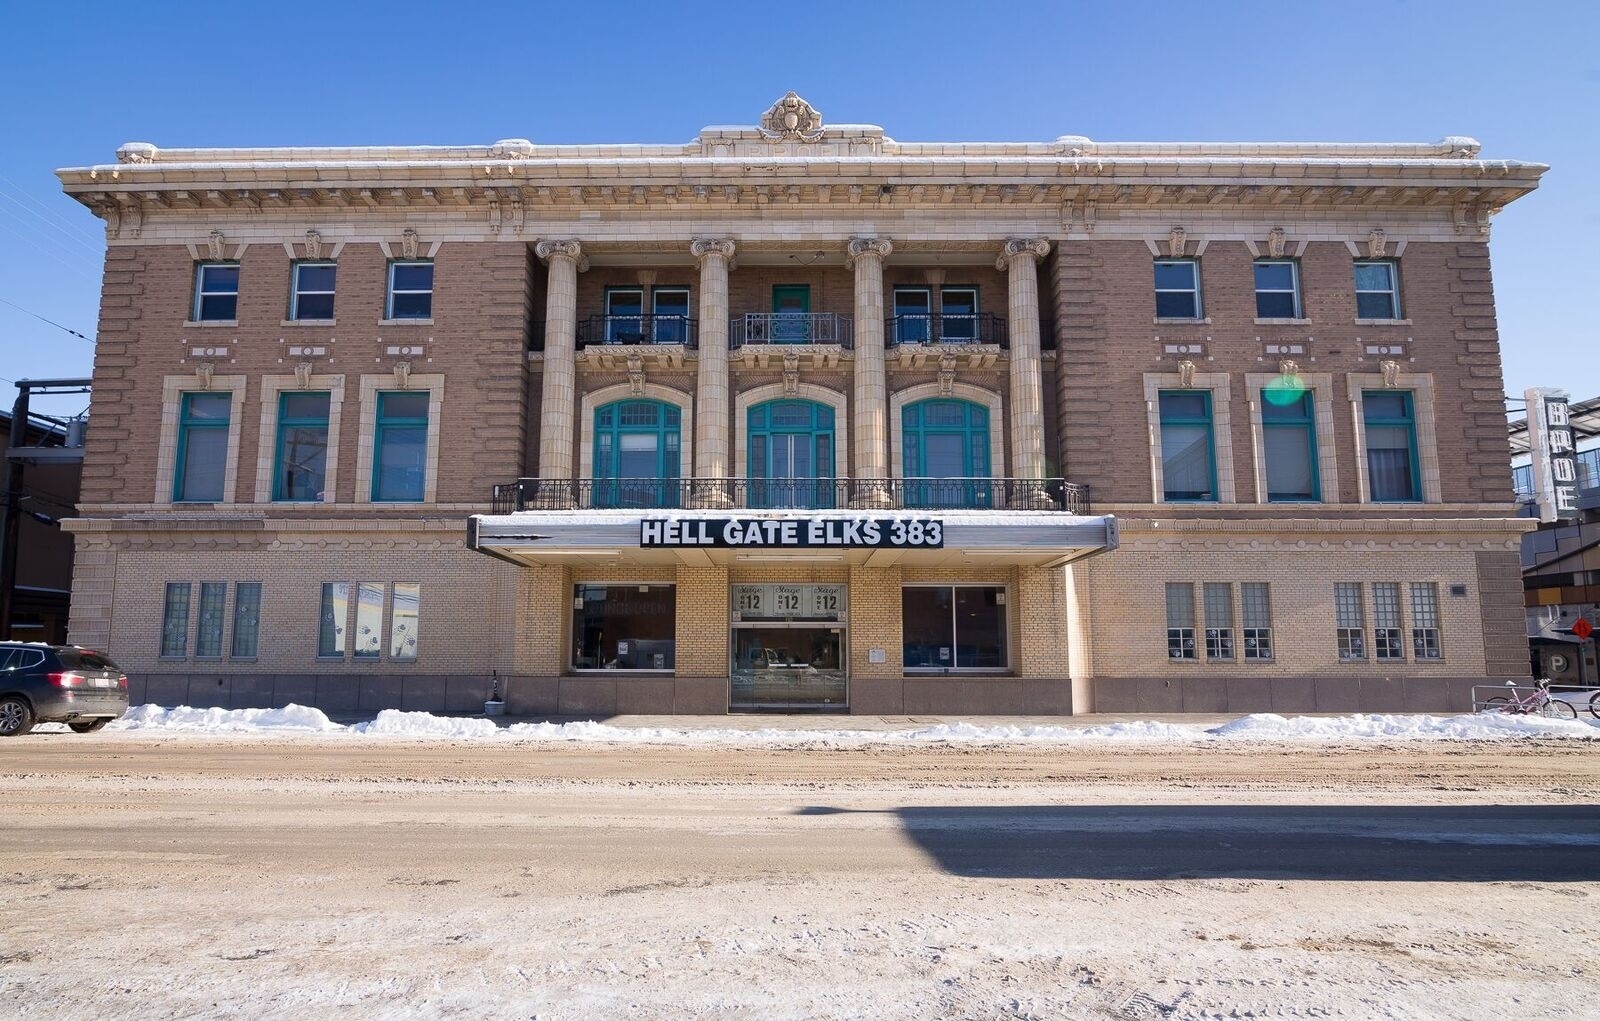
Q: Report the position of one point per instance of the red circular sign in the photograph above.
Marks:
(1583, 629)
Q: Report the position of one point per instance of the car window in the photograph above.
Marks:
(83, 659)
(27, 659)
(9, 658)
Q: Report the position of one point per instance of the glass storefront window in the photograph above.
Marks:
(624, 627)
(954, 627)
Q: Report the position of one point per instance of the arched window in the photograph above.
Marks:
(791, 454)
(945, 448)
(636, 454)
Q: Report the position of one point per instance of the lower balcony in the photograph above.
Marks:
(791, 494)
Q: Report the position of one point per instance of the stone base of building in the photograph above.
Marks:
(1330, 694)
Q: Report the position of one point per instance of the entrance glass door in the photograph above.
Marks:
(788, 665)
(791, 454)
(791, 318)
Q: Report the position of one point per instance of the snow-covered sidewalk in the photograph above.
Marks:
(295, 721)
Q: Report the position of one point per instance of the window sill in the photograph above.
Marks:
(1383, 322)
(406, 322)
(590, 671)
(1191, 322)
(204, 324)
(1283, 322)
(309, 322)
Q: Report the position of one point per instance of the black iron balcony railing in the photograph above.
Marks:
(792, 494)
(925, 328)
(791, 328)
(640, 329)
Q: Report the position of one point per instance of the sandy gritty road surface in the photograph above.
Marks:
(166, 877)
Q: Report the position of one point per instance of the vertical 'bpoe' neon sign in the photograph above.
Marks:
(1555, 462)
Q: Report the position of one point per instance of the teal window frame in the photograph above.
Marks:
(1304, 421)
(1208, 421)
(612, 489)
(1408, 422)
(382, 424)
(286, 423)
(969, 490)
(768, 490)
(188, 425)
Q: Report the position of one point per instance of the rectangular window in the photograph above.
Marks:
(1386, 621)
(1349, 619)
(1178, 289)
(1255, 600)
(302, 448)
(410, 290)
(175, 621)
(213, 613)
(312, 294)
(400, 446)
(1389, 417)
(671, 315)
(216, 292)
(246, 619)
(1180, 621)
(202, 447)
(1218, 598)
(1188, 459)
(403, 613)
(1289, 439)
(1425, 621)
(624, 315)
(369, 620)
(958, 314)
(913, 315)
(624, 627)
(1277, 289)
(954, 627)
(1377, 291)
(335, 618)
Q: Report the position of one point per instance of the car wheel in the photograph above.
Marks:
(88, 726)
(16, 716)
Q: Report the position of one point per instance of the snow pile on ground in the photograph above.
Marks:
(394, 723)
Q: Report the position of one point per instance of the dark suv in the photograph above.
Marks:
(58, 684)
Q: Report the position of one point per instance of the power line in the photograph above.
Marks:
(75, 267)
(50, 221)
(42, 319)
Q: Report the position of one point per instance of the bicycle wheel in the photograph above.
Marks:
(1556, 709)
(1500, 704)
(1594, 705)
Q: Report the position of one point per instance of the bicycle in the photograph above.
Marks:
(1539, 702)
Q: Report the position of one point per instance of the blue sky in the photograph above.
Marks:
(79, 79)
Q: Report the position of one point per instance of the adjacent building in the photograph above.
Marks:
(798, 416)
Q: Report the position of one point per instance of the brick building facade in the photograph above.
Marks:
(1053, 427)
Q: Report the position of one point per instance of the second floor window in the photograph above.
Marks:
(637, 454)
(1277, 290)
(216, 292)
(624, 315)
(400, 447)
(1377, 291)
(1389, 417)
(302, 448)
(1289, 439)
(945, 454)
(791, 454)
(670, 315)
(1178, 289)
(313, 291)
(410, 290)
(202, 447)
(1188, 456)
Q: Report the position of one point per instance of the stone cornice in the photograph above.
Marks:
(1352, 526)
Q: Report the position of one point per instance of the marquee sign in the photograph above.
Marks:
(781, 601)
(1555, 462)
(779, 533)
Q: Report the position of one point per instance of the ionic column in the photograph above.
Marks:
(559, 396)
(871, 396)
(1020, 259)
(713, 451)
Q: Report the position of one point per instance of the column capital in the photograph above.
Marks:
(1015, 248)
(859, 246)
(552, 248)
(700, 248)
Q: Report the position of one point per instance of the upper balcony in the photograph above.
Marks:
(792, 328)
(945, 328)
(951, 494)
(639, 329)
